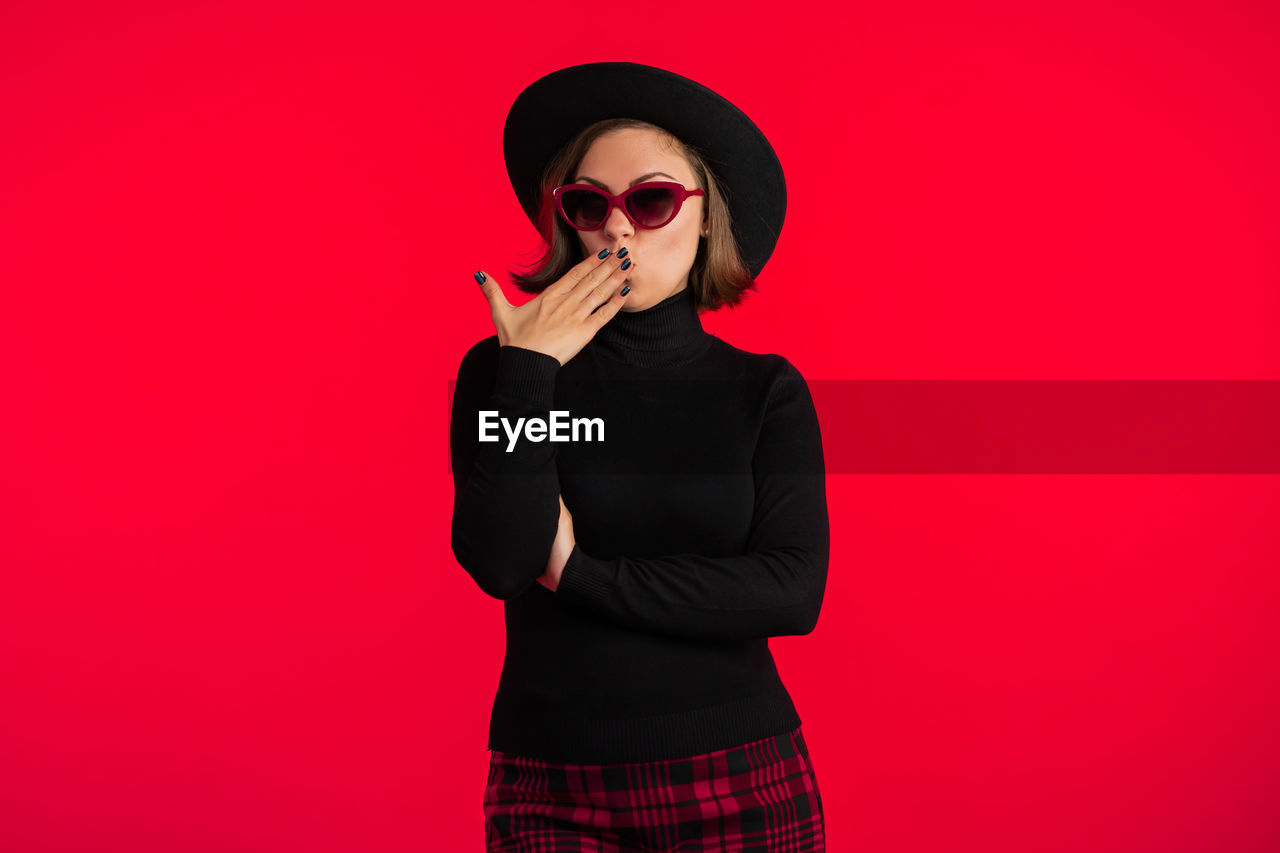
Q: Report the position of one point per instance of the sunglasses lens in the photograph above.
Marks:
(584, 208)
(651, 206)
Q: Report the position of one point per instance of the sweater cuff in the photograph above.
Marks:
(585, 579)
(527, 374)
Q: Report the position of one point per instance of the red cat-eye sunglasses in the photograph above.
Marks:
(649, 205)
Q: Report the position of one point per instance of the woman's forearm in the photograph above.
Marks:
(506, 495)
(774, 587)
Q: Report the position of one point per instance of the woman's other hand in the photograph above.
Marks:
(560, 550)
(559, 320)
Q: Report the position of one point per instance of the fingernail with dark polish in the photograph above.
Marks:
(479, 278)
(626, 263)
(626, 290)
(604, 253)
(622, 253)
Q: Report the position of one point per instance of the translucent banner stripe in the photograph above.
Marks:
(977, 426)
(1049, 426)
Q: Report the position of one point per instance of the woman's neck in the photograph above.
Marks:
(653, 335)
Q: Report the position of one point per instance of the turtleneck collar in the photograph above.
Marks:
(669, 332)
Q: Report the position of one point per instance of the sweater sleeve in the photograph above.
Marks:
(774, 588)
(506, 503)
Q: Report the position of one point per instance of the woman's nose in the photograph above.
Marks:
(617, 224)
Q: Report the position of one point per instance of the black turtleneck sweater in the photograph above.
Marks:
(701, 527)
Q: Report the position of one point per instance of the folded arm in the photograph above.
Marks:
(775, 587)
(506, 503)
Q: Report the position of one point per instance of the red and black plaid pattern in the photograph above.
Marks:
(761, 796)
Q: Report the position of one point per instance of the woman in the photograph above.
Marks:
(639, 707)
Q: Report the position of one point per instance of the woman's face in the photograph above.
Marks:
(663, 256)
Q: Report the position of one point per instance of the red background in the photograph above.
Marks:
(236, 280)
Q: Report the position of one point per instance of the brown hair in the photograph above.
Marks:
(718, 276)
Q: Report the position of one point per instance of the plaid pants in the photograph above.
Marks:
(757, 797)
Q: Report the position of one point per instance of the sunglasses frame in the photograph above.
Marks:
(620, 201)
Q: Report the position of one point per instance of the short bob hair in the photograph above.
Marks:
(718, 276)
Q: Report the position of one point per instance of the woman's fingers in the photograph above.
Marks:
(492, 291)
(500, 309)
(605, 312)
(606, 288)
(578, 273)
(587, 275)
(603, 281)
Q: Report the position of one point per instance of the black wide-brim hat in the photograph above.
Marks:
(553, 109)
